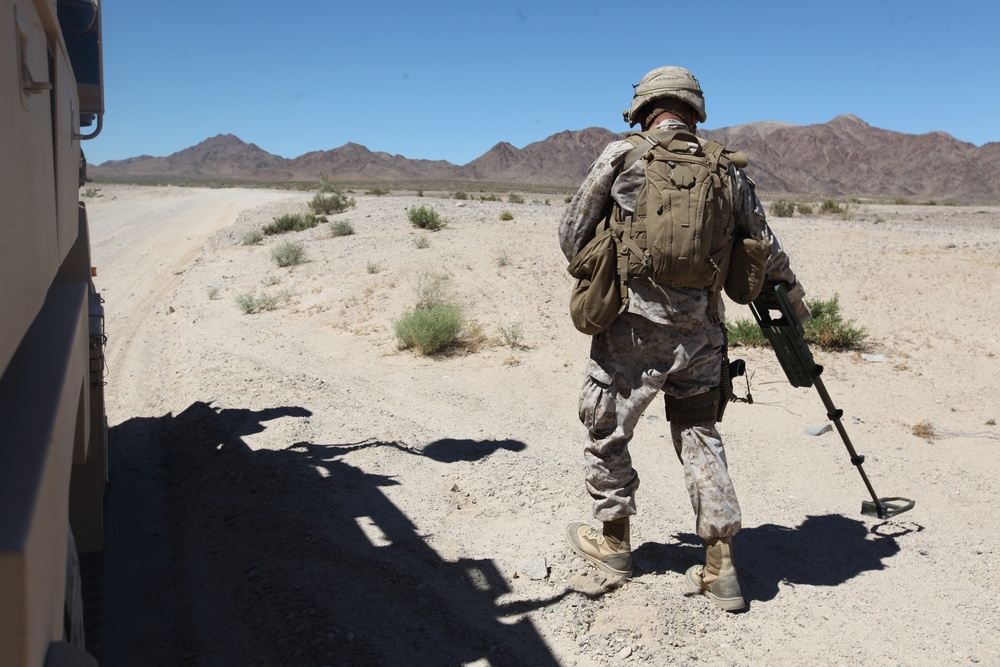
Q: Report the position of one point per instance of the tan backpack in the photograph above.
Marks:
(682, 233)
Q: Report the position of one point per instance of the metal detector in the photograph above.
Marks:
(787, 338)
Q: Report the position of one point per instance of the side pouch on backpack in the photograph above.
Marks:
(747, 270)
(596, 298)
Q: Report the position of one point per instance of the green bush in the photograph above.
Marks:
(830, 206)
(421, 243)
(511, 334)
(460, 195)
(252, 237)
(335, 202)
(376, 191)
(782, 208)
(341, 228)
(425, 218)
(247, 302)
(293, 222)
(515, 198)
(250, 303)
(804, 209)
(827, 329)
(489, 197)
(746, 332)
(92, 192)
(374, 267)
(288, 253)
(429, 330)
(506, 215)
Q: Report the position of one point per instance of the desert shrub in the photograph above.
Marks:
(460, 195)
(247, 302)
(213, 293)
(377, 191)
(293, 222)
(429, 289)
(827, 329)
(421, 243)
(924, 429)
(901, 201)
(782, 208)
(502, 257)
(425, 218)
(746, 332)
(804, 209)
(374, 267)
(830, 206)
(515, 198)
(92, 193)
(506, 215)
(325, 184)
(288, 253)
(271, 300)
(489, 197)
(511, 334)
(252, 237)
(341, 228)
(334, 202)
(270, 279)
(429, 330)
(250, 303)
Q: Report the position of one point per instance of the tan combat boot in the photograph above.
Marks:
(716, 579)
(608, 548)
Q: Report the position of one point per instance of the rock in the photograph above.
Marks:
(875, 358)
(624, 653)
(536, 569)
(819, 430)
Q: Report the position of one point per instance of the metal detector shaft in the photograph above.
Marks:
(787, 338)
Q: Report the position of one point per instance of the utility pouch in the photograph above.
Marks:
(696, 409)
(747, 270)
(596, 299)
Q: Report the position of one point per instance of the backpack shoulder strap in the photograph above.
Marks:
(644, 142)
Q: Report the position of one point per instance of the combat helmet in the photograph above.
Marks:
(675, 82)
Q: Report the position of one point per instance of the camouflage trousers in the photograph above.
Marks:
(629, 365)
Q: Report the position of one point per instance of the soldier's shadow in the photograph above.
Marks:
(822, 551)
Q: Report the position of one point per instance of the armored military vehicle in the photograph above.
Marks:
(53, 431)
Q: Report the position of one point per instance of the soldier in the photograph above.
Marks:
(669, 338)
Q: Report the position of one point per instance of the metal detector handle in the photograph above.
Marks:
(779, 324)
(787, 338)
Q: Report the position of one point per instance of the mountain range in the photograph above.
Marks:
(844, 157)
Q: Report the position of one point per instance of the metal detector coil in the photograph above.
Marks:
(787, 338)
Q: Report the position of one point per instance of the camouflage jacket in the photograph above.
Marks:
(661, 303)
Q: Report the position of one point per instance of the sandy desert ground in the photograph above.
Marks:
(289, 488)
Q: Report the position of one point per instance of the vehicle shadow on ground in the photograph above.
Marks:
(288, 556)
(822, 551)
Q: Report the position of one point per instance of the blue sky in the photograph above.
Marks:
(448, 80)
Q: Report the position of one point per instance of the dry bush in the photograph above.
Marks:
(924, 430)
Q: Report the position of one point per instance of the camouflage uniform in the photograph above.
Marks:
(666, 341)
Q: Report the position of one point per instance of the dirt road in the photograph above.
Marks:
(288, 488)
